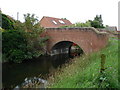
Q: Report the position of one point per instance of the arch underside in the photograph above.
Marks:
(63, 47)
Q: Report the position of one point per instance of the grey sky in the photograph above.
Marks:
(74, 10)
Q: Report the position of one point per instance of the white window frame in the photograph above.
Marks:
(54, 22)
(61, 21)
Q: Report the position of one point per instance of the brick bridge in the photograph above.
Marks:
(89, 39)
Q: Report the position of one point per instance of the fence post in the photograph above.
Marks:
(103, 57)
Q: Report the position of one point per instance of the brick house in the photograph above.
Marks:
(51, 22)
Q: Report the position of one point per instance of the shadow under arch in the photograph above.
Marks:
(66, 47)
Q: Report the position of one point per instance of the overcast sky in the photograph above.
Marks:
(73, 10)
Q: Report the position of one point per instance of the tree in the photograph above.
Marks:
(7, 23)
(30, 22)
(64, 18)
(24, 42)
(97, 22)
(35, 44)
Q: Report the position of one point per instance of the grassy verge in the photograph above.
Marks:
(84, 72)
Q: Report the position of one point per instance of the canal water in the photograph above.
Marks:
(15, 74)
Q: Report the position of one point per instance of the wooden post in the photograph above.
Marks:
(103, 57)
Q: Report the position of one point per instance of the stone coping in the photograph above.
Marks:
(78, 28)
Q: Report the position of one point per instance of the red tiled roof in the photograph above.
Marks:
(51, 22)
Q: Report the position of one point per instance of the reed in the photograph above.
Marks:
(84, 72)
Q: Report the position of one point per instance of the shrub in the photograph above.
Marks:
(13, 46)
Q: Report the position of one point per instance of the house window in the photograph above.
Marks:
(54, 22)
(61, 21)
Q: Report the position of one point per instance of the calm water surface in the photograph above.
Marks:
(15, 74)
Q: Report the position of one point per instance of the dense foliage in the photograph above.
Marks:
(24, 42)
(35, 43)
(7, 23)
(14, 46)
(96, 23)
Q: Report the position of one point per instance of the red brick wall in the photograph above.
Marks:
(87, 38)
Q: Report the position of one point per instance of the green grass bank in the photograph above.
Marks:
(84, 72)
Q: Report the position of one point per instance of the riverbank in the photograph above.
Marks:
(84, 72)
(31, 72)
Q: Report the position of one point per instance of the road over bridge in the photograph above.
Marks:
(89, 39)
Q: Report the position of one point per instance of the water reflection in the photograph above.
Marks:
(15, 74)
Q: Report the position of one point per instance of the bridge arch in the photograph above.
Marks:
(66, 47)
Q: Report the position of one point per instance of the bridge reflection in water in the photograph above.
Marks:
(59, 51)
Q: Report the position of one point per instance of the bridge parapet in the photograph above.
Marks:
(79, 28)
